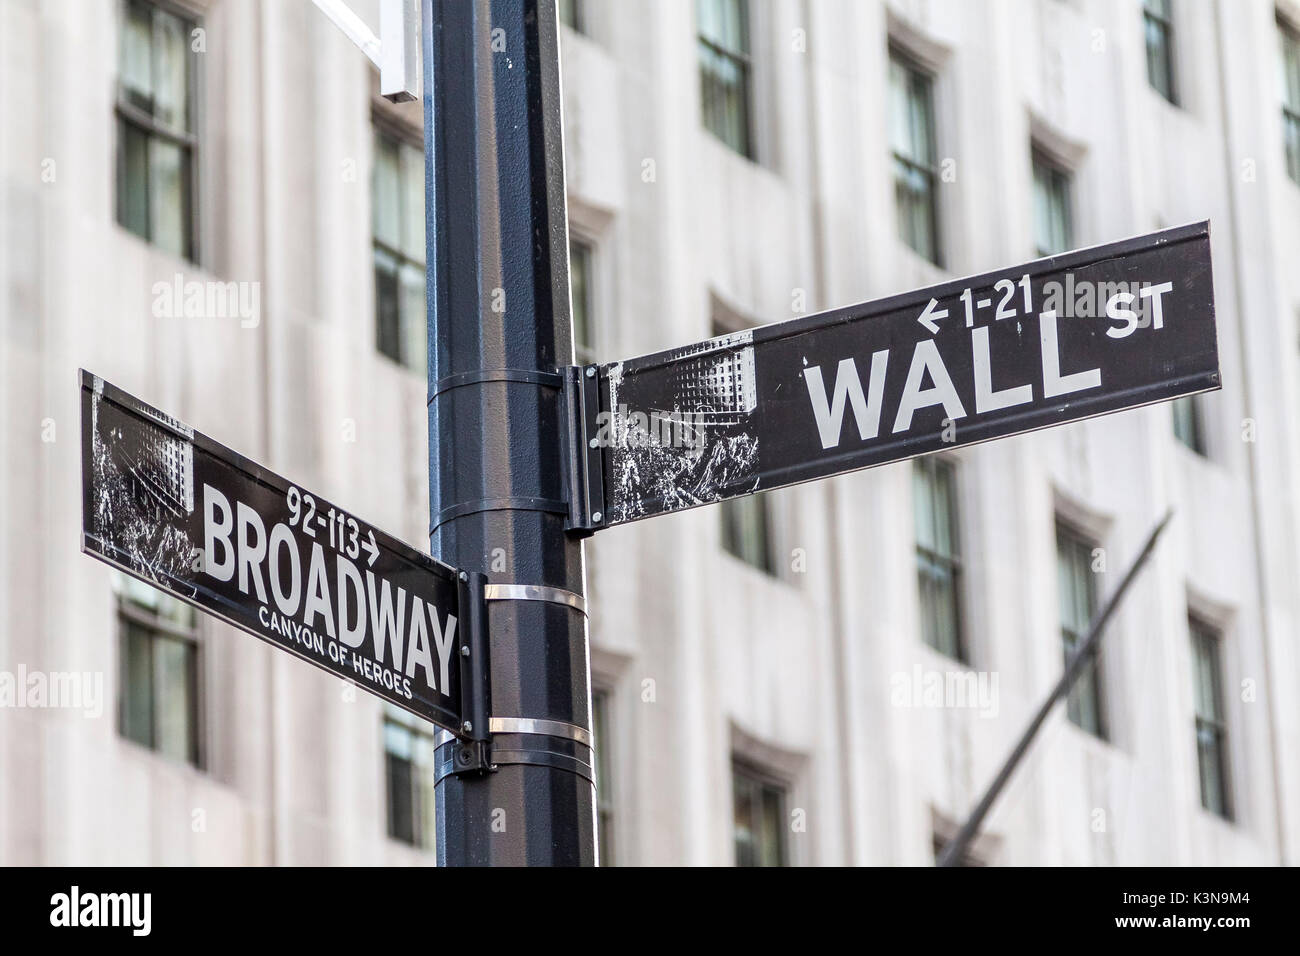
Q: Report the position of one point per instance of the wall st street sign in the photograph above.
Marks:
(1056, 340)
(200, 521)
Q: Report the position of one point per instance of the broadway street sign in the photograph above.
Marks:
(181, 512)
(1056, 340)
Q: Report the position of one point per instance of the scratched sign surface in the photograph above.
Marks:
(1052, 341)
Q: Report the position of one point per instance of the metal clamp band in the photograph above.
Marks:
(444, 764)
(537, 725)
(534, 592)
(521, 376)
(527, 725)
(545, 758)
(549, 505)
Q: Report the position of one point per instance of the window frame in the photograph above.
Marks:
(602, 718)
(731, 532)
(743, 60)
(1204, 632)
(916, 69)
(126, 113)
(1070, 641)
(400, 133)
(1289, 36)
(584, 354)
(762, 781)
(577, 19)
(131, 612)
(1194, 418)
(1162, 22)
(421, 790)
(954, 562)
(1041, 158)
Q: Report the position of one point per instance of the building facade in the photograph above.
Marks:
(207, 203)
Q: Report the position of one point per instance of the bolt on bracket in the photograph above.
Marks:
(472, 752)
(584, 458)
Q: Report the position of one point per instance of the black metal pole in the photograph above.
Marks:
(955, 849)
(499, 328)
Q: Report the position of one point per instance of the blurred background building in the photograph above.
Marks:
(765, 669)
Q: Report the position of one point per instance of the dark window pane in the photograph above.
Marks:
(1211, 724)
(580, 296)
(386, 193)
(938, 559)
(401, 814)
(414, 322)
(759, 826)
(1289, 65)
(176, 735)
(155, 149)
(137, 685)
(1077, 598)
(1158, 27)
(604, 780)
(169, 196)
(412, 198)
(724, 71)
(746, 531)
(570, 12)
(408, 767)
(1052, 216)
(772, 843)
(171, 104)
(743, 821)
(397, 211)
(387, 306)
(133, 179)
(1188, 427)
(136, 55)
(911, 136)
(158, 672)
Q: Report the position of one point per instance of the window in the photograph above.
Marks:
(759, 814)
(1211, 728)
(1158, 25)
(1077, 594)
(747, 531)
(911, 137)
(155, 127)
(724, 71)
(600, 706)
(409, 764)
(580, 254)
(158, 672)
(398, 201)
(1188, 427)
(1053, 226)
(1290, 66)
(571, 15)
(938, 561)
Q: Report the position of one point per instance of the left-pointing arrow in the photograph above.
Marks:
(931, 313)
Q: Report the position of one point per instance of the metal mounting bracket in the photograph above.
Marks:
(472, 752)
(584, 458)
(397, 54)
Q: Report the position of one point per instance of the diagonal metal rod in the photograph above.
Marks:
(353, 27)
(955, 849)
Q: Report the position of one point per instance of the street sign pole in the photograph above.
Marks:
(499, 329)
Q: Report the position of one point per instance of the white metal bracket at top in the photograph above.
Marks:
(396, 51)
